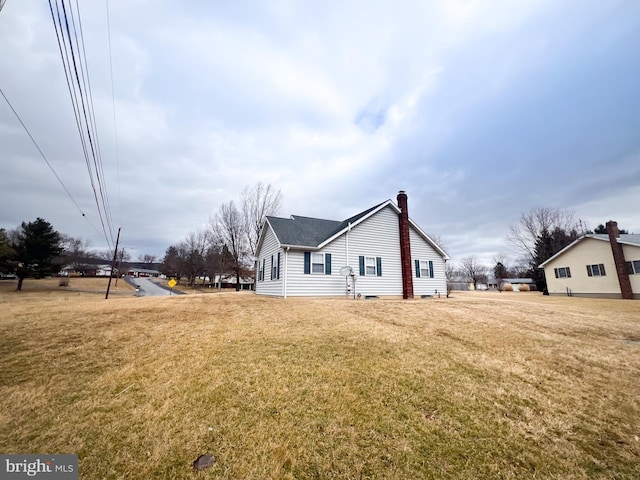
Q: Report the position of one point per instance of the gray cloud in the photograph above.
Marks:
(480, 111)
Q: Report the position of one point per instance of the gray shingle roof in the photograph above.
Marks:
(310, 232)
(631, 238)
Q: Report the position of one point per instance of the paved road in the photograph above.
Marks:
(147, 287)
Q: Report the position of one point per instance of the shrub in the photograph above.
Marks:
(524, 287)
(64, 282)
(507, 287)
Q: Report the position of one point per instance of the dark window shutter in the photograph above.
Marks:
(589, 272)
(555, 270)
(307, 262)
(630, 268)
(271, 269)
(278, 265)
(602, 272)
(430, 268)
(379, 266)
(417, 268)
(327, 263)
(568, 272)
(361, 260)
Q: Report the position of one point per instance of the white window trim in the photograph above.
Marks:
(374, 265)
(319, 256)
(424, 267)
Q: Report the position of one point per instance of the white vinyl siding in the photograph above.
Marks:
(270, 284)
(376, 237)
(422, 251)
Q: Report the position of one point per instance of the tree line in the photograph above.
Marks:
(37, 250)
(228, 244)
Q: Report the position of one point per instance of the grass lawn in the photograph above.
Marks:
(482, 385)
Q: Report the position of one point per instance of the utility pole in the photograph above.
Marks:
(113, 264)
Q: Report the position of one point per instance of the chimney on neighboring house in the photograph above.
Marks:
(618, 258)
(405, 246)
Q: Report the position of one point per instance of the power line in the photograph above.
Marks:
(113, 103)
(77, 76)
(46, 160)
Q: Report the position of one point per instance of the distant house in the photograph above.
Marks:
(141, 269)
(597, 265)
(378, 252)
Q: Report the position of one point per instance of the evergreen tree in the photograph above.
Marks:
(603, 230)
(500, 272)
(548, 244)
(6, 253)
(36, 245)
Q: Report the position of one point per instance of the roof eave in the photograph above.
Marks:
(571, 245)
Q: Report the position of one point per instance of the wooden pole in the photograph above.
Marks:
(113, 264)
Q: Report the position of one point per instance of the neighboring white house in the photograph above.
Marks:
(597, 265)
(388, 253)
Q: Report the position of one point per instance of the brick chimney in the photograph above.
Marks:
(618, 258)
(405, 246)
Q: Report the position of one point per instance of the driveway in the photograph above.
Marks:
(147, 287)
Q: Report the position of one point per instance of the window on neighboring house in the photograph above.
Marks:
(596, 270)
(634, 267)
(370, 266)
(562, 272)
(424, 268)
(317, 263)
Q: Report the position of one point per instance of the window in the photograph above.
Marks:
(424, 268)
(261, 270)
(370, 266)
(562, 272)
(634, 267)
(317, 263)
(274, 268)
(596, 270)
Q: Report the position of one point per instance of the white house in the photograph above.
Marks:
(389, 255)
(597, 265)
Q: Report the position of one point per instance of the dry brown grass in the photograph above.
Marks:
(481, 385)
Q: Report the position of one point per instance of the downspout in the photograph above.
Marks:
(347, 244)
(284, 277)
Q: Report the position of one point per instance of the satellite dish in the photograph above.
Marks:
(346, 271)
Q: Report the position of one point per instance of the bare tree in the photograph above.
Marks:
(257, 202)
(77, 253)
(228, 228)
(147, 258)
(473, 271)
(438, 239)
(524, 234)
(193, 251)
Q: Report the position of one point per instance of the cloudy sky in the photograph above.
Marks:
(480, 110)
